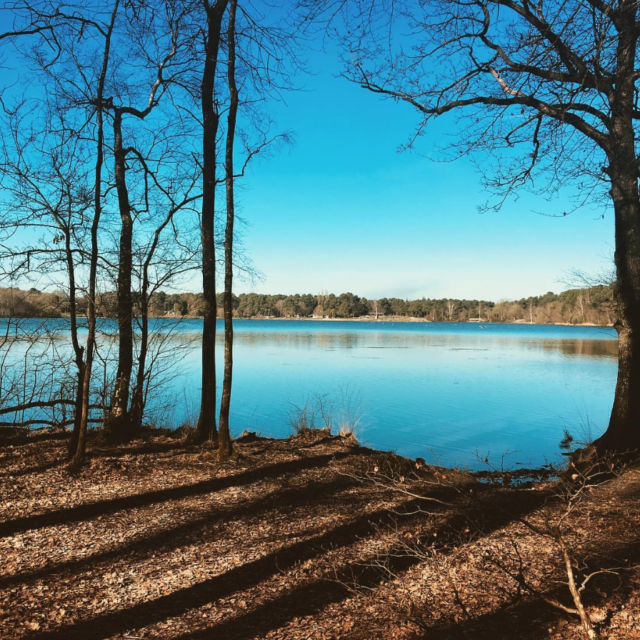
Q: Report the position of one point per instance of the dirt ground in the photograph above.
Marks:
(310, 537)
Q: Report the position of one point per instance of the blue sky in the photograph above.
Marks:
(343, 210)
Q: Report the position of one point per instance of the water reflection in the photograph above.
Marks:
(354, 340)
(589, 348)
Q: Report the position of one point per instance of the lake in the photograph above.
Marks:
(454, 391)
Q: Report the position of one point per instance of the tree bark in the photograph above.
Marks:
(206, 429)
(224, 436)
(137, 397)
(77, 349)
(623, 433)
(119, 422)
(81, 440)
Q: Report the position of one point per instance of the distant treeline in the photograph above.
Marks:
(591, 305)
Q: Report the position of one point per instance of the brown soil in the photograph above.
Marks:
(298, 538)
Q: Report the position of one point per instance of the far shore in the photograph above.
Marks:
(409, 319)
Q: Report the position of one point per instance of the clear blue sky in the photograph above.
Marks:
(343, 210)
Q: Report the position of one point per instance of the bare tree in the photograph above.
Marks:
(160, 261)
(96, 64)
(267, 54)
(119, 422)
(46, 188)
(546, 89)
(224, 436)
(214, 12)
(451, 309)
(76, 73)
(80, 433)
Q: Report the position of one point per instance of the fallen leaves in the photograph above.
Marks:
(274, 537)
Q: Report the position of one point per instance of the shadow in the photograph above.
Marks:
(13, 440)
(150, 447)
(488, 510)
(116, 453)
(188, 532)
(95, 451)
(319, 442)
(354, 446)
(234, 580)
(38, 468)
(310, 599)
(304, 600)
(95, 509)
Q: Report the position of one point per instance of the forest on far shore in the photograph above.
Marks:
(593, 305)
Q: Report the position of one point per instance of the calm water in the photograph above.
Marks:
(419, 388)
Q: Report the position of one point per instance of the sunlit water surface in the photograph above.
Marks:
(456, 391)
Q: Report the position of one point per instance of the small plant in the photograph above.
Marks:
(567, 441)
(314, 415)
(319, 414)
(351, 413)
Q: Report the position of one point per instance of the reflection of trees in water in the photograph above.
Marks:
(590, 348)
(35, 360)
(301, 340)
(371, 340)
(170, 350)
(174, 333)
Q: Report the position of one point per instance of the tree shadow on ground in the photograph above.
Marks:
(38, 468)
(236, 579)
(311, 598)
(303, 600)
(14, 439)
(61, 459)
(487, 511)
(190, 531)
(94, 510)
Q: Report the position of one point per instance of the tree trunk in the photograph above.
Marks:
(119, 422)
(137, 397)
(210, 118)
(75, 434)
(224, 436)
(623, 433)
(78, 457)
(81, 441)
(77, 349)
